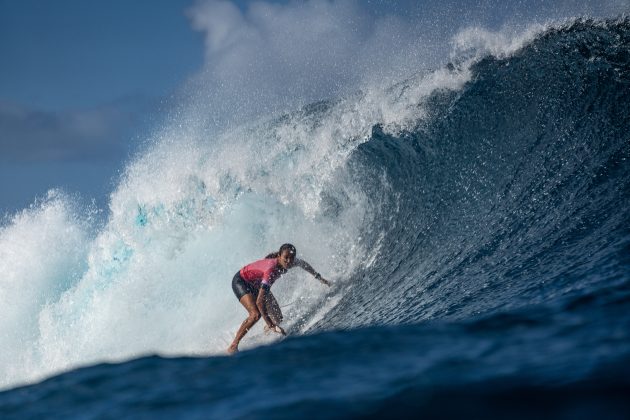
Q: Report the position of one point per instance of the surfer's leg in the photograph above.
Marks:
(273, 309)
(254, 315)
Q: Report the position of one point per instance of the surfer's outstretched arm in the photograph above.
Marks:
(308, 268)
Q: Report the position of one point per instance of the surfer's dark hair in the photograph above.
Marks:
(284, 247)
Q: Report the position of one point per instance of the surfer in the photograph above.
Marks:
(251, 286)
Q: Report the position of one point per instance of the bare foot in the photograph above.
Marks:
(232, 349)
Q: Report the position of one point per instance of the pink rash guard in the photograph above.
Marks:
(266, 271)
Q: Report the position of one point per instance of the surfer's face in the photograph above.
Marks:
(286, 259)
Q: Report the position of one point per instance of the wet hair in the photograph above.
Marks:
(284, 247)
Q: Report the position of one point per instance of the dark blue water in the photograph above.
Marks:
(502, 288)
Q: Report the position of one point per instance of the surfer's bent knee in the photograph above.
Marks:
(254, 316)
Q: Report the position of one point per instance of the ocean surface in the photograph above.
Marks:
(474, 219)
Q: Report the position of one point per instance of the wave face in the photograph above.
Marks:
(514, 192)
(474, 219)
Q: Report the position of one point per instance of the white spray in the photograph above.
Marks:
(187, 214)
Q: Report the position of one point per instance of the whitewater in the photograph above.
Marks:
(473, 218)
(184, 217)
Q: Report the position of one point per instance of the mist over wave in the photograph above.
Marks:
(494, 183)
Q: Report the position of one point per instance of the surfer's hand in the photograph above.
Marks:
(278, 329)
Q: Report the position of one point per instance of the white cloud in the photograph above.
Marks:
(28, 135)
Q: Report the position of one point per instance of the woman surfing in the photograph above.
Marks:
(252, 283)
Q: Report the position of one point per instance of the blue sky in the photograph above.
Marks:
(83, 82)
(76, 54)
(79, 81)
